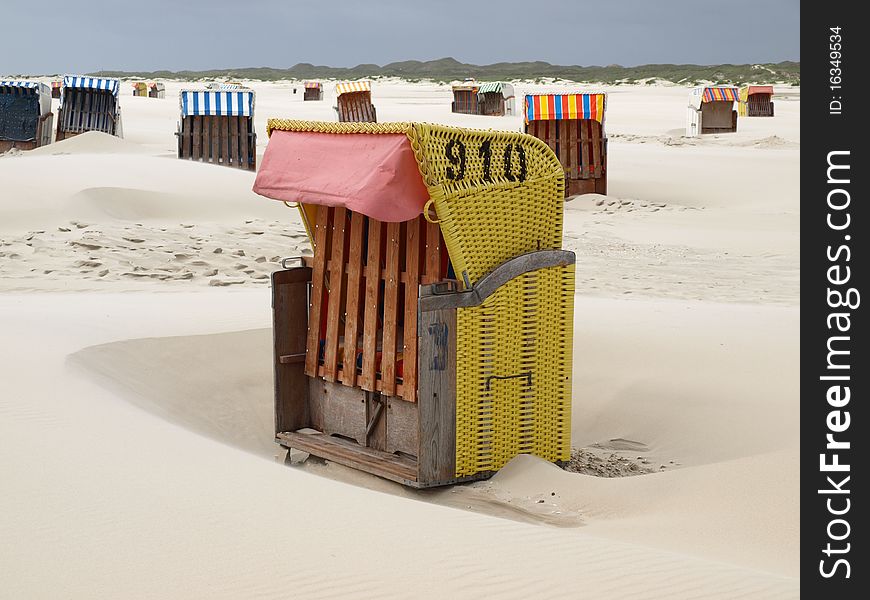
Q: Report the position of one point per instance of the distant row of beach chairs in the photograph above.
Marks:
(216, 121)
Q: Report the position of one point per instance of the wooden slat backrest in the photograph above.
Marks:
(355, 107)
(370, 296)
(579, 144)
(221, 140)
(87, 110)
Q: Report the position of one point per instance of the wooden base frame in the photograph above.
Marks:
(413, 443)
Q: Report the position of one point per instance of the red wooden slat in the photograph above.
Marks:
(336, 283)
(312, 346)
(354, 274)
(391, 296)
(432, 262)
(367, 380)
(412, 278)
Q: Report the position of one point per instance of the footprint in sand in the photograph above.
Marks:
(225, 282)
(86, 246)
(621, 444)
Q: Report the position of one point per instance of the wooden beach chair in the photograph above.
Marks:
(428, 339)
(495, 99)
(217, 126)
(25, 115)
(89, 104)
(756, 101)
(465, 99)
(711, 110)
(157, 90)
(572, 125)
(354, 102)
(313, 91)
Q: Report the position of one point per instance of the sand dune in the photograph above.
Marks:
(136, 415)
(629, 382)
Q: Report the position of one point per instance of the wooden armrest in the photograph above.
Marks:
(433, 297)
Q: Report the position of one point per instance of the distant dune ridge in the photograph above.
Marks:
(448, 69)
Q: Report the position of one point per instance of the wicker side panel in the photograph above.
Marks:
(513, 373)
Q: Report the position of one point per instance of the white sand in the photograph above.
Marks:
(135, 409)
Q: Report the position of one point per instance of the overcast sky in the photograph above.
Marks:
(53, 36)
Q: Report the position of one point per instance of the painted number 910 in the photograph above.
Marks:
(514, 170)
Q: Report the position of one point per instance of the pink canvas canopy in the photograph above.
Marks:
(373, 174)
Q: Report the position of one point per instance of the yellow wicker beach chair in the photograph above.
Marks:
(435, 349)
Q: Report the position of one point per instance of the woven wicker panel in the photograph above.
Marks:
(513, 373)
(496, 194)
